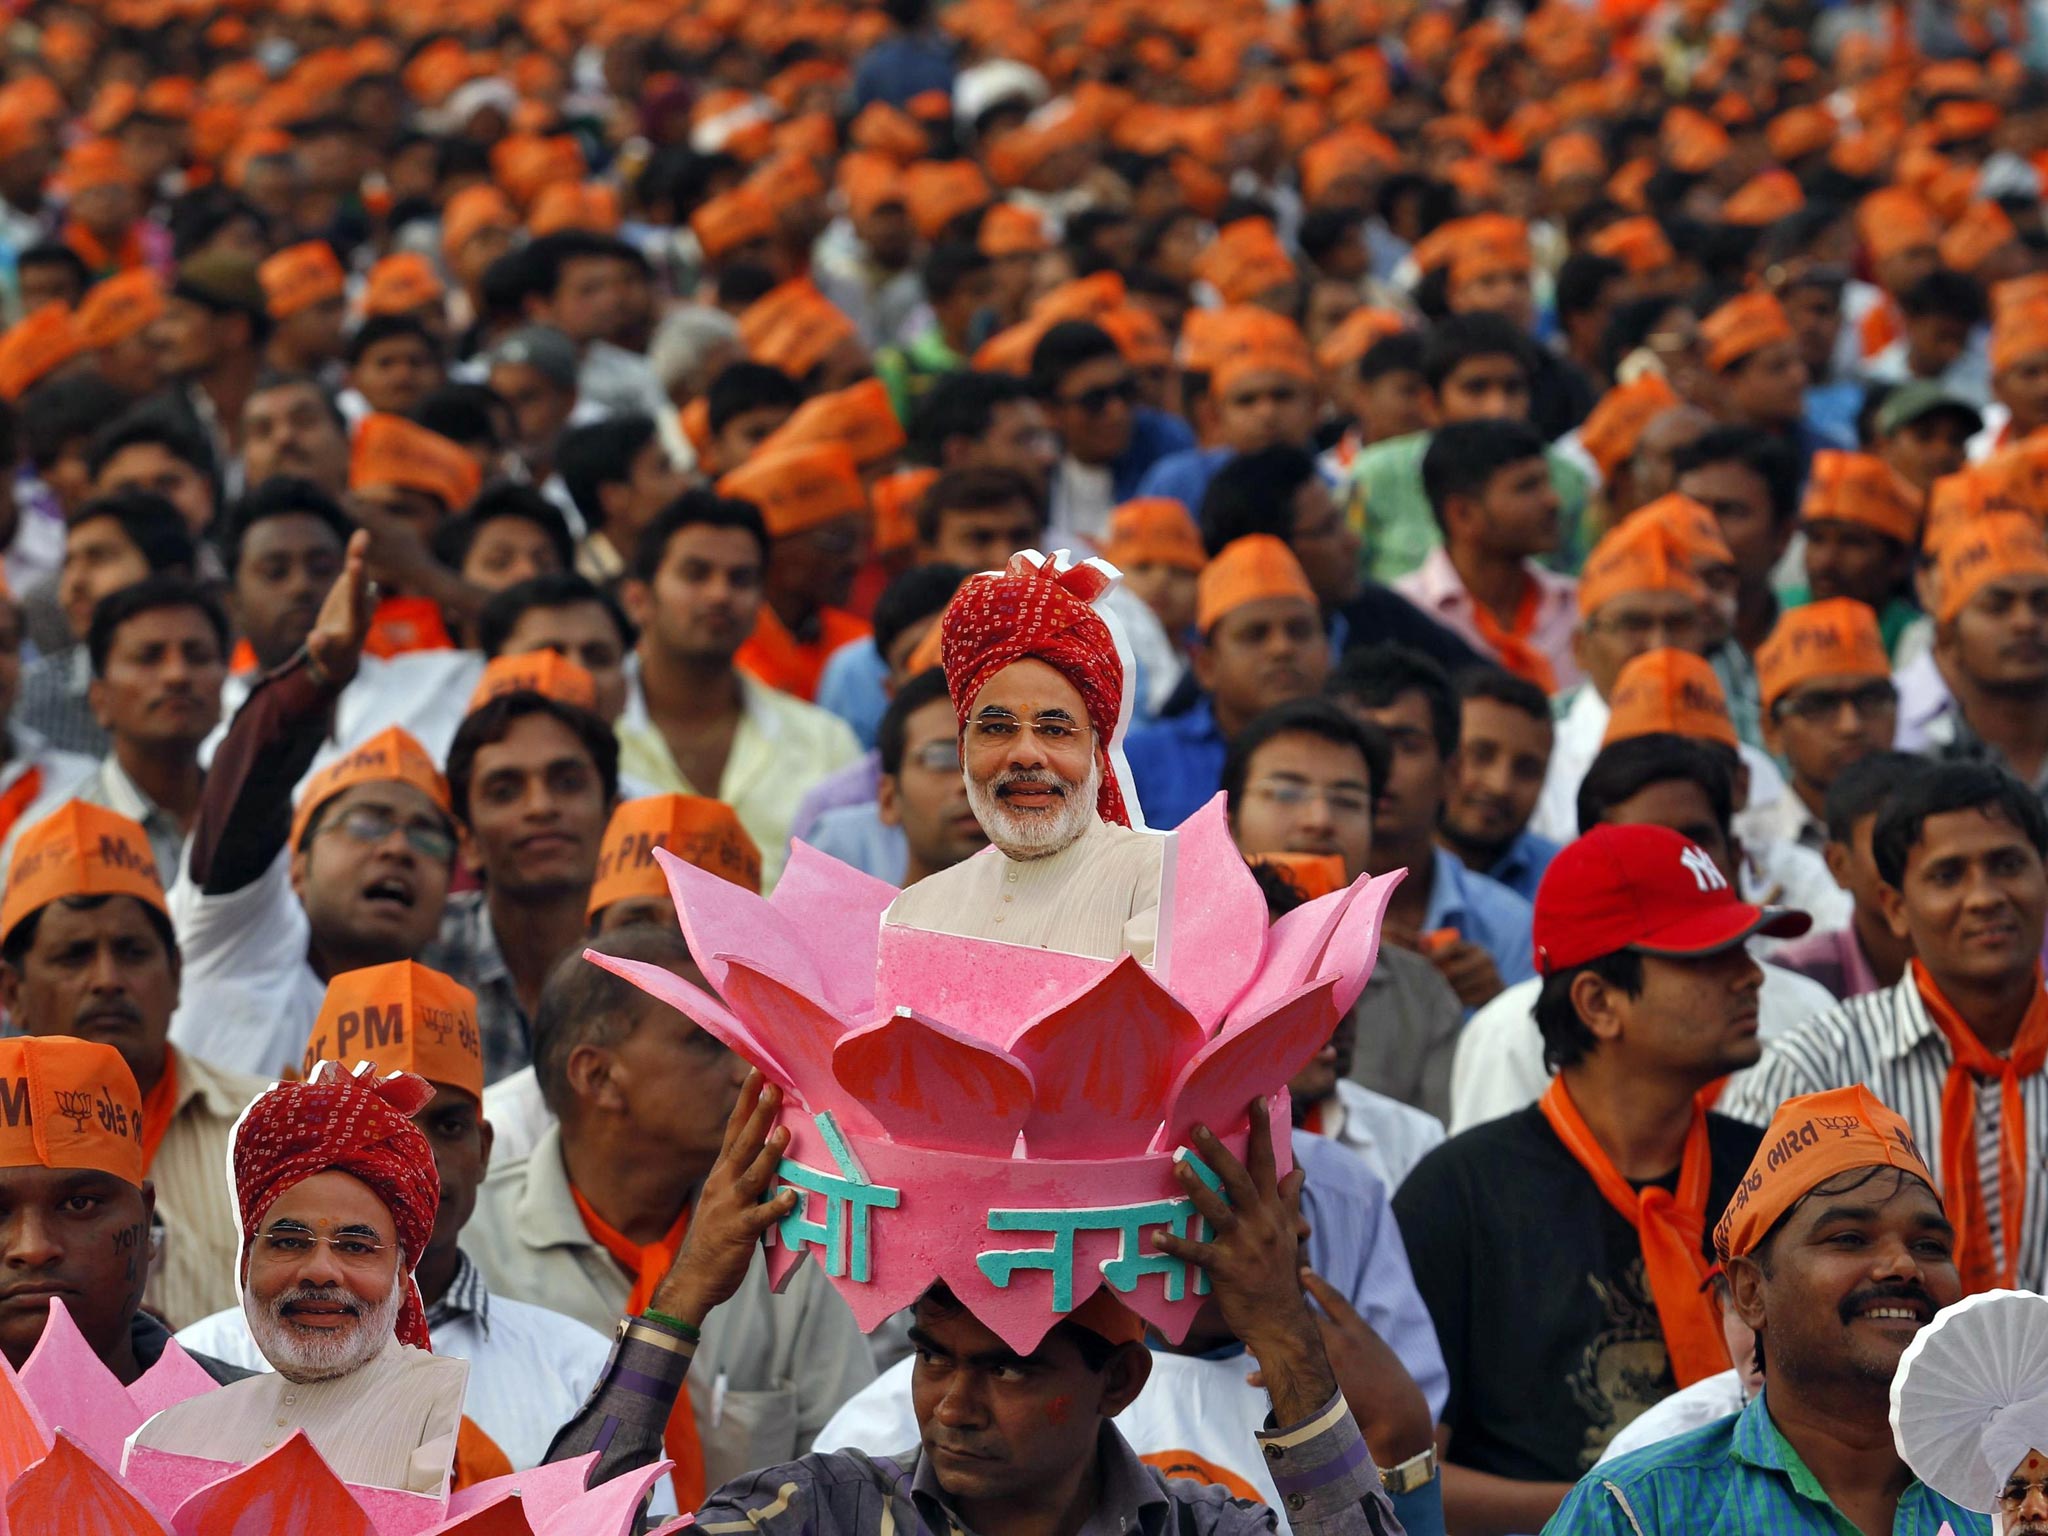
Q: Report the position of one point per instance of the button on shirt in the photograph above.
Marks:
(1484, 912)
(1439, 591)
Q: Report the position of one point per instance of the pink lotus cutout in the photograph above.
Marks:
(1002, 1118)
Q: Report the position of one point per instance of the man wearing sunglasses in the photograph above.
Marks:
(1828, 701)
(1108, 440)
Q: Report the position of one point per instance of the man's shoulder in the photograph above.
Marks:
(1697, 1464)
(544, 1331)
(795, 723)
(1732, 1142)
(221, 1091)
(1477, 1155)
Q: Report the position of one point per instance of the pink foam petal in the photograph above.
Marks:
(72, 1491)
(24, 1434)
(934, 1086)
(610, 1509)
(75, 1392)
(1102, 1063)
(838, 909)
(1354, 949)
(175, 1377)
(804, 1036)
(1212, 921)
(721, 919)
(699, 1006)
(1294, 952)
(502, 1516)
(977, 985)
(289, 1491)
(1251, 1062)
(542, 1490)
(680, 1523)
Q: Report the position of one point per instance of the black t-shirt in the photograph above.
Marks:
(1538, 1292)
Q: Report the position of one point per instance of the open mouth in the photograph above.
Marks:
(390, 893)
(1911, 1312)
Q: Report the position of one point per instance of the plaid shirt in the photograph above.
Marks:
(466, 1296)
(53, 702)
(467, 949)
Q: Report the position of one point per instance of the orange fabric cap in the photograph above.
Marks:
(869, 182)
(1210, 338)
(732, 219)
(472, 211)
(1442, 245)
(79, 850)
(401, 1017)
(2017, 291)
(391, 756)
(1669, 691)
(1352, 152)
(1572, 155)
(401, 283)
(1998, 545)
(1084, 298)
(584, 205)
(936, 192)
(1983, 230)
(1692, 141)
(1642, 555)
(1694, 531)
(1834, 638)
(118, 307)
(70, 1103)
(1892, 220)
(95, 163)
(1764, 199)
(1800, 131)
(1311, 874)
(301, 276)
(1009, 229)
(1140, 335)
(888, 131)
(1288, 355)
(1747, 323)
(1244, 571)
(696, 830)
(1357, 334)
(1498, 245)
(1616, 423)
(36, 347)
(895, 499)
(1811, 1139)
(2018, 331)
(1638, 243)
(547, 673)
(1245, 260)
(526, 162)
(1154, 530)
(793, 327)
(859, 418)
(799, 487)
(389, 450)
(1861, 488)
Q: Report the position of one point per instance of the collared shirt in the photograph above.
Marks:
(1886, 1041)
(856, 835)
(1521, 867)
(1391, 509)
(1177, 763)
(112, 788)
(202, 1229)
(1924, 700)
(1439, 591)
(52, 702)
(1835, 959)
(1408, 1021)
(780, 748)
(467, 949)
(1738, 1474)
(1184, 477)
(1484, 912)
(1706, 1401)
(519, 1116)
(1952, 739)
(1737, 674)
(1389, 1137)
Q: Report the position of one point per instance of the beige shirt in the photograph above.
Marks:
(194, 1274)
(391, 1424)
(1099, 896)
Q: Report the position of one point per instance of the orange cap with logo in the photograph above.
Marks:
(1247, 570)
(68, 1103)
(392, 756)
(799, 487)
(1985, 550)
(1811, 1139)
(895, 497)
(118, 307)
(697, 830)
(401, 283)
(36, 347)
(95, 163)
(401, 1017)
(1837, 637)
(1616, 423)
(859, 418)
(1154, 530)
(79, 850)
(389, 450)
(732, 219)
(300, 276)
(547, 673)
(1747, 323)
(1863, 489)
(1669, 691)
(1570, 156)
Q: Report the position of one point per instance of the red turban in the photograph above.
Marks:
(1029, 610)
(340, 1123)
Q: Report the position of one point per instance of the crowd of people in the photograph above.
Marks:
(1589, 461)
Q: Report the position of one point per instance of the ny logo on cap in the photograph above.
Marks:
(1704, 871)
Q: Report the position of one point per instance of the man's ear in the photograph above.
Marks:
(10, 991)
(1746, 1291)
(589, 1071)
(488, 1134)
(886, 808)
(637, 600)
(1202, 662)
(96, 701)
(1124, 1377)
(1893, 903)
(1837, 856)
(1599, 1006)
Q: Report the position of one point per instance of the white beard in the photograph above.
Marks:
(305, 1355)
(1027, 835)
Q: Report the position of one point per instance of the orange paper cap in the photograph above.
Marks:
(1311, 874)
(859, 418)
(1764, 199)
(1892, 220)
(401, 1017)
(69, 1104)
(1861, 488)
(1987, 549)
(389, 450)
(401, 283)
(1642, 555)
(1669, 692)
(1009, 229)
(301, 276)
(34, 348)
(2015, 292)
(1245, 260)
(472, 211)
(1572, 155)
(895, 499)
(79, 850)
(936, 192)
(1247, 570)
(800, 487)
(118, 307)
(547, 673)
(1811, 1139)
(392, 756)
(1982, 231)
(1834, 638)
(733, 219)
(591, 206)
(94, 163)
(2019, 331)
(1747, 323)
(696, 830)
(1355, 335)
(1800, 131)
(1694, 531)
(1140, 335)
(1281, 354)
(1616, 423)
(1638, 243)
(793, 327)
(1154, 530)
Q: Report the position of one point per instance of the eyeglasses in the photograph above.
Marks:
(1674, 629)
(1055, 733)
(1343, 804)
(290, 1242)
(1097, 400)
(369, 824)
(2017, 1491)
(936, 757)
(1822, 705)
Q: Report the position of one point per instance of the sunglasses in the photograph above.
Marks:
(1097, 400)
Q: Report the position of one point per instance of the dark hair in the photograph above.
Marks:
(1457, 339)
(553, 589)
(158, 425)
(1254, 493)
(691, 509)
(1064, 348)
(1627, 768)
(1464, 456)
(585, 1004)
(382, 328)
(1324, 229)
(1580, 280)
(1630, 325)
(1760, 452)
(1305, 717)
(951, 263)
(151, 524)
(1095, 1351)
(1503, 687)
(1865, 787)
(463, 413)
(1398, 353)
(989, 488)
(64, 410)
(1566, 1040)
(741, 283)
(153, 593)
(54, 253)
(1950, 787)
(928, 687)
(743, 386)
(1374, 676)
(960, 405)
(550, 255)
(491, 721)
(588, 458)
(21, 938)
(1278, 887)
(918, 593)
(279, 378)
(279, 496)
(505, 284)
(1953, 295)
(453, 537)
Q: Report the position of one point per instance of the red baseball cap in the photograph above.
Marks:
(1643, 888)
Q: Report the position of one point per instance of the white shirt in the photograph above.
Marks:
(1499, 1066)
(64, 773)
(1389, 1136)
(248, 997)
(1706, 1401)
(424, 692)
(518, 1115)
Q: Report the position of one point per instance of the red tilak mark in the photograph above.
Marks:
(1059, 1410)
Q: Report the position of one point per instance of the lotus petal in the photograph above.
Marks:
(680, 1523)
(542, 1490)
(1212, 918)
(979, 986)
(175, 1377)
(1102, 1063)
(1354, 949)
(721, 920)
(802, 1034)
(610, 1509)
(75, 1392)
(1294, 952)
(1216, 1087)
(503, 1516)
(290, 1491)
(838, 910)
(701, 1008)
(935, 1087)
(24, 1434)
(72, 1491)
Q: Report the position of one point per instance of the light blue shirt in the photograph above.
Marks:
(1521, 868)
(852, 687)
(856, 835)
(1485, 913)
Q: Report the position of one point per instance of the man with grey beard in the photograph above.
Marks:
(1037, 687)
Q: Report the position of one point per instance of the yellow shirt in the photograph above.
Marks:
(194, 1275)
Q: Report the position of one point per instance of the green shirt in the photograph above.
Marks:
(1391, 511)
(907, 372)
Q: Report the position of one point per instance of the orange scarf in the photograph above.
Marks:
(1512, 646)
(477, 1457)
(159, 1107)
(774, 656)
(20, 795)
(647, 1266)
(1962, 1192)
(1670, 1227)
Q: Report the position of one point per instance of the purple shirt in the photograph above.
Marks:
(1835, 960)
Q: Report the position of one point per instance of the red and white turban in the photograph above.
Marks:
(358, 1124)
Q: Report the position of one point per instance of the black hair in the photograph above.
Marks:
(1374, 676)
(1095, 1351)
(1580, 280)
(21, 938)
(382, 328)
(1324, 229)
(151, 524)
(1278, 887)
(550, 255)
(552, 589)
(504, 286)
(986, 489)
(453, 537)
(278, 378)
(1952, 787)
(1457, 339)
(588, 458)
(1464, 456)
(463, 413)
(1305, 717)
(960, 405)
(1756, 450)
(491, 721)
(928, 687)
(279, 496)
(746, 386)
(1398, 353)
(741, 283)
(692, 509)
(1502, 687)
(159, 424)
(159, 590)
(1952, 295)
(1254, 493)
(585, 1004)
(54, 253)
(1627, 768)
(1632, 324)
(1865, 787)
(65, 410)
(197, 217)
(918, 593)
(1566, 1040)
(949, 264)
(1065, 347)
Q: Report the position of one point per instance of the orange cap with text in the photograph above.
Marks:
(79, 850)
(1985, 550)
(2015, 291)
(389, 450)
(1669, 691)
(547, 673)
(1693, 528)
(1834, 638)
(1861, 488)
(1248, 570)
(1154, 530)
(34, 348)
(1747, 323)
(1811, 1139)
(472, 211)
(697, 830)
(301, 276)
(401, 283)
(732, 219)
(793, 327)
(859, 418)
(401, 1017)
(1642, 555)
(70, 1104)
(392, 756)
(1892, 220)
(1616, 423)
(799, 487)
(2018, 331)
(118, 307)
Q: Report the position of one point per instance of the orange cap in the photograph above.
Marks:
(890, 131)
(472, 211)
(696, 830)
(1692, 141)
(1800, 131)
(1354, 151)
(1572, 155)
(1861, 488)
(79, 850)
(1811, 1139)
(301, 276)
(793, 327)
(1140, 335)
(1982, 231)
(1245, 260)
(585, 205)
(2014, 292)
(36, 347)
(526, 162)
(895, 499)
(936, 192)
(1154, 530)
(1010, 229)
(1245, 571)
(732, 219)
(1669, 691)
(1210, 338)
(70, 1104)
(94, 163)
(1083, 298)
(1287, 355)
(1997, 545)
(1764, 199)
(391, 756)
(869, 182)
(1834, 638)
(1642, 555)
(2018, 331)
(400, 283)
(547, 673)
(118, 307)
(401, 1017)
(1355, 335)
(1892, 219)
(1638, 243)
(1747, 323)
(859, 418)
(1617, 422)
(1694, 531)
(1310, 874)
(799, 487)
(389, 450)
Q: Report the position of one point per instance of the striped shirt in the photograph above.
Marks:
(1886, 1041)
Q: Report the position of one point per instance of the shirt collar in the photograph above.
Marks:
(124, 795)
(547, 1216)
(466, 1296)
(1519, 856)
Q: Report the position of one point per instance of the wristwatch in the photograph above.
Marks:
(1412, 1474)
